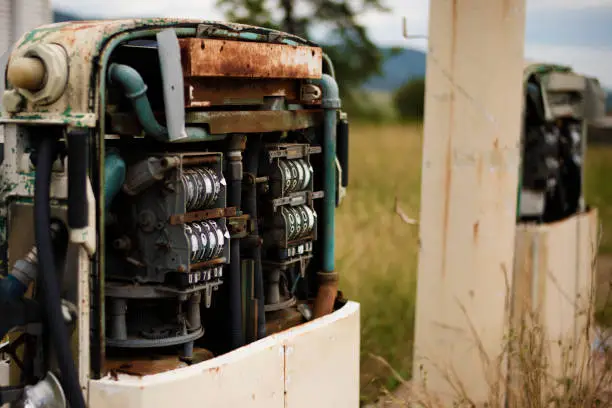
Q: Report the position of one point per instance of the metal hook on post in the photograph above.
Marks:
(405, 31)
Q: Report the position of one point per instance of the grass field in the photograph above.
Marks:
(376, 250)
(598, 190)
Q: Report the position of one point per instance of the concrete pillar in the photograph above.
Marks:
(469, 190)
(29, 14)
(5, 25)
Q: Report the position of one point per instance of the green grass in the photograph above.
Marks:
(598, 190)
(376, 250)
(372, 107)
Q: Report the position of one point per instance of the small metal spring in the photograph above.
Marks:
(296, 175)
(202, 187)
(299, 221)
(206, 239)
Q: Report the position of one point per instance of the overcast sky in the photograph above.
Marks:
(574, 32)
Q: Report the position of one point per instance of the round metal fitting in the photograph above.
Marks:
(55, 60)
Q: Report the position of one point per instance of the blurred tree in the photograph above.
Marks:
(409, 99)
(355, 56)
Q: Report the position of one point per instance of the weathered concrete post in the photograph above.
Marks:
(469, 189)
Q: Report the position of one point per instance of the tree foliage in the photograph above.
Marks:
(409, 99)
(354, 55)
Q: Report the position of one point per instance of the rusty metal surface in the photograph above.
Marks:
(238, 226)
(222, 58)
(222, 122)
(148, 365)
(281, 320)
(196, 161)
(256, 121)
(202, 215)
(206, 264)
(205, 92)
(85, 42)
(326, 294)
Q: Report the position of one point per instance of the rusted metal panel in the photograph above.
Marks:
(281, 320)
(256, 121)
(221, 58)
(204, 92)
(222, 122)
(202, 215)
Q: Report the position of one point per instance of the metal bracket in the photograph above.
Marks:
(239, 226)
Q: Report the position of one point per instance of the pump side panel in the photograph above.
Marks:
(248, 377)
(312, 365)
(322, 361)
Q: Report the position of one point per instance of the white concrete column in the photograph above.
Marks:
(5, 25)
(469, 189)
(29, 14)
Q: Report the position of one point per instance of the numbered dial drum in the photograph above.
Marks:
(202, 187)
(207, 239)
(295, 175)
(299, 221)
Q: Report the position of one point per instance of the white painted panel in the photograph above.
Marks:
(5, 25)
(249, 377)
(555, 263)
(320, 368)
(468, 190)
(5, 375)
(322, 361)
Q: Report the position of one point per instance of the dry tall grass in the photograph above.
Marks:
(376, 249)
(535, 369)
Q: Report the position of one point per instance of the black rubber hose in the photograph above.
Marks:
(250, 207)
(342, 149)
(234, 195)
(49, 286)
(77, 178)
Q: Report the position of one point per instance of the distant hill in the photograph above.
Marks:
(61, 16)
(398, 69)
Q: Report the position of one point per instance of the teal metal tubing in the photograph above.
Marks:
(136, 91)
(331, 105)
(114, 170)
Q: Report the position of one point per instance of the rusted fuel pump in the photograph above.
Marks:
(167, 209)
(559, 104)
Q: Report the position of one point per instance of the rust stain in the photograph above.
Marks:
(496, 144)
(471, 294)
(451, 120)
(202, 91)
(223, 122)
(505, 9)
(220, 58)
(447, 186)
(475, 229)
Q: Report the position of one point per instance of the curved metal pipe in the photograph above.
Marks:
(136, 91)
(328, 285)
(331, 105)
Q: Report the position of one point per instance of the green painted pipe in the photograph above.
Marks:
(136, 91)
(114, 176)
(331, 105)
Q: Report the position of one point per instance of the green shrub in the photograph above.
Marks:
(409, 99)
